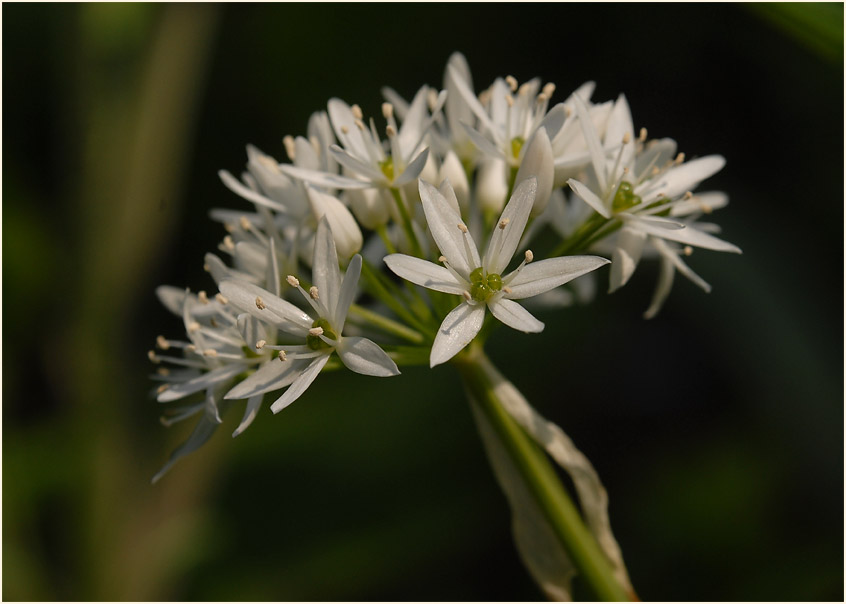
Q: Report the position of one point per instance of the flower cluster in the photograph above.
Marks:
(384, 214)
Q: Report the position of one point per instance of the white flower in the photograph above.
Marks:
(480, 281)
(643, 187)
(330, 297)
(210, 361)
(370, 161)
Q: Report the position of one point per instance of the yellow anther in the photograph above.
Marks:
(162, 388)
(512, 83)
(290, 146)
(315, 295)
(529, 256)
(461, 227)
(315, 331)
(228, 243)
(203, 297)
(260, 303)
(356, 111)
(162, 343)
(282, 356)
(194, 326)
(260, 344)
(504, 223)
(151, 354)
(293, 281)
(642, 137)
(210, 352)
(387, 110)
(245, 223)
(466, 295)
(221, 298)
(687, 250)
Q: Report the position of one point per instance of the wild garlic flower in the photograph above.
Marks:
(368, 160)
(643, 186)
(297, 365)
(481, 282)
(215, 354)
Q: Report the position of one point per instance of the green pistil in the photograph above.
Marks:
(517, 145)
(625, 198)
(483, 286)
(315, 342)
(387, 167)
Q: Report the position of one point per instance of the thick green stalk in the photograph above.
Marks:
(541, 480)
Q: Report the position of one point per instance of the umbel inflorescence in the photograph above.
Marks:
(401, 238)
(406, 239)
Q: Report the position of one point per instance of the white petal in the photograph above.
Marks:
(345, 229)
(278, 312)
(413, 170)
(365, 357)
(202, 432)
(343, 122)
(537, 161)
(515, 316)
(236, 187)
(252, 330)
(356, 166)
(452, 171)
(250, 412)
(589, 197)
(447, 229)
(300, 384)
(662, 289)
(445, 189)
(544, 275)
(680, 179)
(468, 96)
(484, 145)
(273, 375)
(349, 289)
(325, 271)
(700, 203)
(425, 274)
(626, 256)
(554, 120)
(457, 330)
(221, 374)
(173, 298)
(504, 241)
(597, 155)
(492, 185)
(678, 263)
(687, 235)
(325, 179)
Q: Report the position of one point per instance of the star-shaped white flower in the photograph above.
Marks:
(643, 187)
(480, 281)
(330, 297)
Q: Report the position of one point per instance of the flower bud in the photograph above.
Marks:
(537, 161)
(492, 185)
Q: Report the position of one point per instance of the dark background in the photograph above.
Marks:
(717, 428)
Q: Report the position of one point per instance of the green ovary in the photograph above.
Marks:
(625, 197)
(314, 342)
(387, 167)
(517, 145)
(483, 286)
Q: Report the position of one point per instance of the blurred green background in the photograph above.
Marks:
(717, 427)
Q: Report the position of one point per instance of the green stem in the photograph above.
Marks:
(385, 324)
(392, 299)
(383, 235)
(578, 239)
(540, 478)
